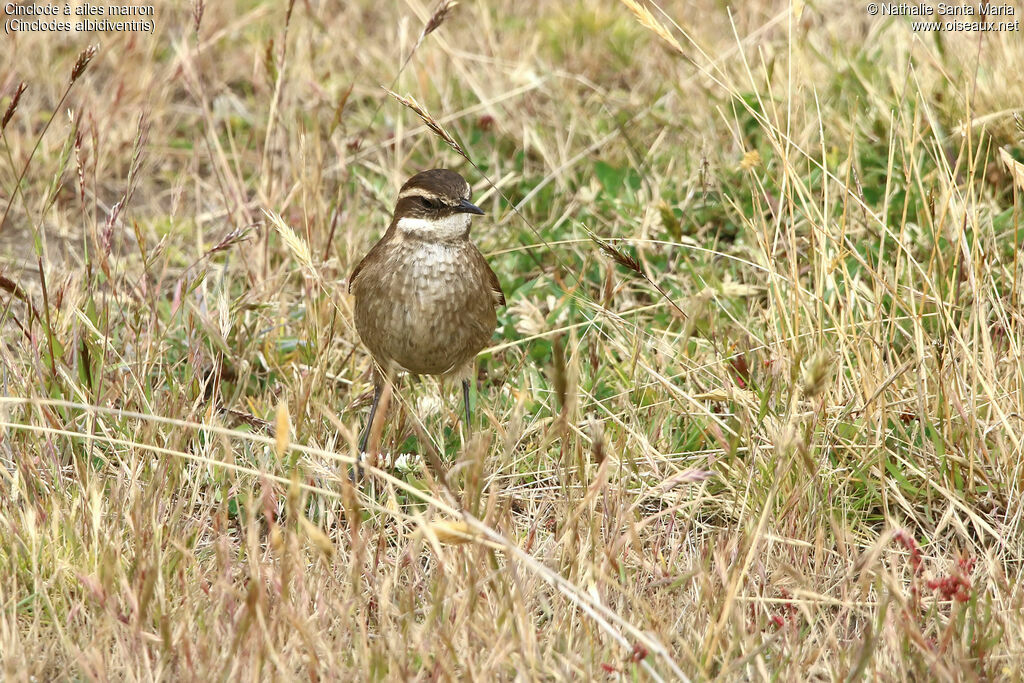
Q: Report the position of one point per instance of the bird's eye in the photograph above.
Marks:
(429, 203)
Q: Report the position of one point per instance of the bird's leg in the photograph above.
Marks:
(465, 401)
(378, 389)
(382, 389)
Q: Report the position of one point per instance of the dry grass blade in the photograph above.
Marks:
(1015, 168)
(432, 123)
(18, 292)
(690, 476)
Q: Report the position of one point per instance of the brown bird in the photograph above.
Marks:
(425, 297)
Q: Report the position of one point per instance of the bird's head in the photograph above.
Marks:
(434, 205)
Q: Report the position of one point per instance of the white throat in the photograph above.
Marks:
(450, 227)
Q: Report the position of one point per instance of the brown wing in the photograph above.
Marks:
(370, 255)
(497, 295)
(355, 272)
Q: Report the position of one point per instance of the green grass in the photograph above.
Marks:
(812, 470)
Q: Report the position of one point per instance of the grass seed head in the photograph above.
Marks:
(317, 537)
(449, 532)
(816, 374)
(438, 17)
(559, 372)
(282, 429)
(750, 160)
(84, 57)
(13, 106)
(432, 123)
(788, 439)
(198, 7)
(597, 444)
(647, 20)
(620, 257)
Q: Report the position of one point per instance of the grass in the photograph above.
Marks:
(754, 408)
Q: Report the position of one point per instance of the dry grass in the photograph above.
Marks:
(754, 409)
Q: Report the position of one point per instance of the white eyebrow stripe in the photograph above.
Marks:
(417, 192)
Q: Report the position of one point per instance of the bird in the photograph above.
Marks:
(425, 298)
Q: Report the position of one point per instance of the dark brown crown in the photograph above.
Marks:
(440, 181)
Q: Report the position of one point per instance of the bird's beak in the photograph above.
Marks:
(466, 206)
